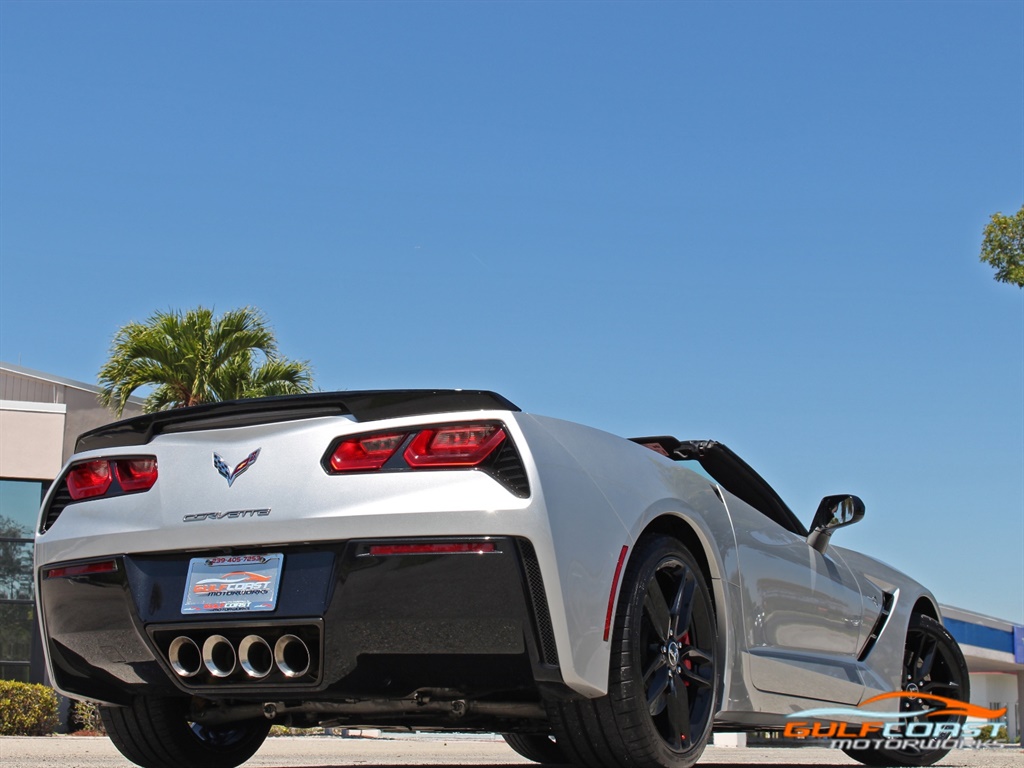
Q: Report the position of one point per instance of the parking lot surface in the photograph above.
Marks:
(433, 750)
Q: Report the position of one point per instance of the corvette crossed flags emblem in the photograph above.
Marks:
(232, 474)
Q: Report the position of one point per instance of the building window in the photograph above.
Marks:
(19, 509)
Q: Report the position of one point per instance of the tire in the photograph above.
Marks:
(932, 663)
(536, 747)
(663, 682)
(156, 733)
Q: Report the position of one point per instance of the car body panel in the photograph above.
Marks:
(793, 622)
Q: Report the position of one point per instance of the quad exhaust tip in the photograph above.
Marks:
(185, 657)
(256, 657)
(291, 656)
(219, 656)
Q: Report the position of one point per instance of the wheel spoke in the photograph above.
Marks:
(657, 610)
(695, 655)
(682, 603)
(655, 700)
(679, 713)
(698, 680)
(654, 666)
(927, 660)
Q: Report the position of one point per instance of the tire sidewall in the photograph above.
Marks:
(650, 555)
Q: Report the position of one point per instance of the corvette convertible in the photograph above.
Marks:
(441, 560)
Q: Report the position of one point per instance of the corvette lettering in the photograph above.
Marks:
(231, 515)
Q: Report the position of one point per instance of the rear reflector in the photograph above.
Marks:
(136, 474)
(615, 588)
(87, 569)
(363, 453)
(464, 445)
(450, 548)
(89, 479)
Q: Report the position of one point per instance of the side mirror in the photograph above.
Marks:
(834, 512)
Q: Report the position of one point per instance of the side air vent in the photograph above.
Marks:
(60, 499)
(507, 468)
(539, 603)
(888, 599)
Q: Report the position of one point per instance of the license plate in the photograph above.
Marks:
(232, 583)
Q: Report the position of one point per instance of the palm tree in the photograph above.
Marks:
(194, 358)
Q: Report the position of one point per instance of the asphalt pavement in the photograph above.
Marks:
(433, 750)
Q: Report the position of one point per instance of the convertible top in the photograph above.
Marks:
(729, 471)
(362, 405)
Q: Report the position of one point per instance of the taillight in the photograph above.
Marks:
(434, 548)
(465, 445)
(89, 479)
(86, 569)
(365, 453)
(483, 445)
(136, 474)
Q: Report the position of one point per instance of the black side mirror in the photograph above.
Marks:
(834, 512)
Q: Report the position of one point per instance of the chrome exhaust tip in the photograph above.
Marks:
(219, 656)
(255, 656)
(291, 656)
(185, 658)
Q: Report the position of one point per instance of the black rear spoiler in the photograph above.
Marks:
(366, 405)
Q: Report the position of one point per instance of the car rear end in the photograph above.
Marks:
(355, 557)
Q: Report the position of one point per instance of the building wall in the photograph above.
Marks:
(41, 417)
(31, 439)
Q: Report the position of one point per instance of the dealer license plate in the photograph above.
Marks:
(232, 583)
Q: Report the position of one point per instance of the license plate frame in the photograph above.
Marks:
(232, 583)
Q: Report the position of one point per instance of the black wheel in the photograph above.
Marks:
(664, 670)
(156, 733)
(537, 747)
(932, 664)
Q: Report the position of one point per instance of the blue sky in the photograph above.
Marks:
(756, 222)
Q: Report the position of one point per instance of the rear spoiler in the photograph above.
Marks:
(366, 405)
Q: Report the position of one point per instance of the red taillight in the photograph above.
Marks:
(89, 479)
(88, 569)
(136, 474)
(445, 548)
(465, 445)
(363, 453)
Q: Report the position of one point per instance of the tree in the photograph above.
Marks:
(195, 358)
(1003, 247)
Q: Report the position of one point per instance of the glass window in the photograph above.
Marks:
(19, 510)
(17, 621)
(15, 572)
(19, 506)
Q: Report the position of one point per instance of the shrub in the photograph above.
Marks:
(988, 735)
(27, 709)
(85, 715)
(286, 730)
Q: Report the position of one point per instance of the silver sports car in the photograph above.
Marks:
(433, 559)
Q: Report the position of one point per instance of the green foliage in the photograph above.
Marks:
(986, 733)
(286, 730)
(86, 717)
(27, 709)
(1003, 247)
(193, 357)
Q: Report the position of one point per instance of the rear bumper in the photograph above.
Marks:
(374, 626)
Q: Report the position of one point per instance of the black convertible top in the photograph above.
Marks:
(364, 405)
(729, 471)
